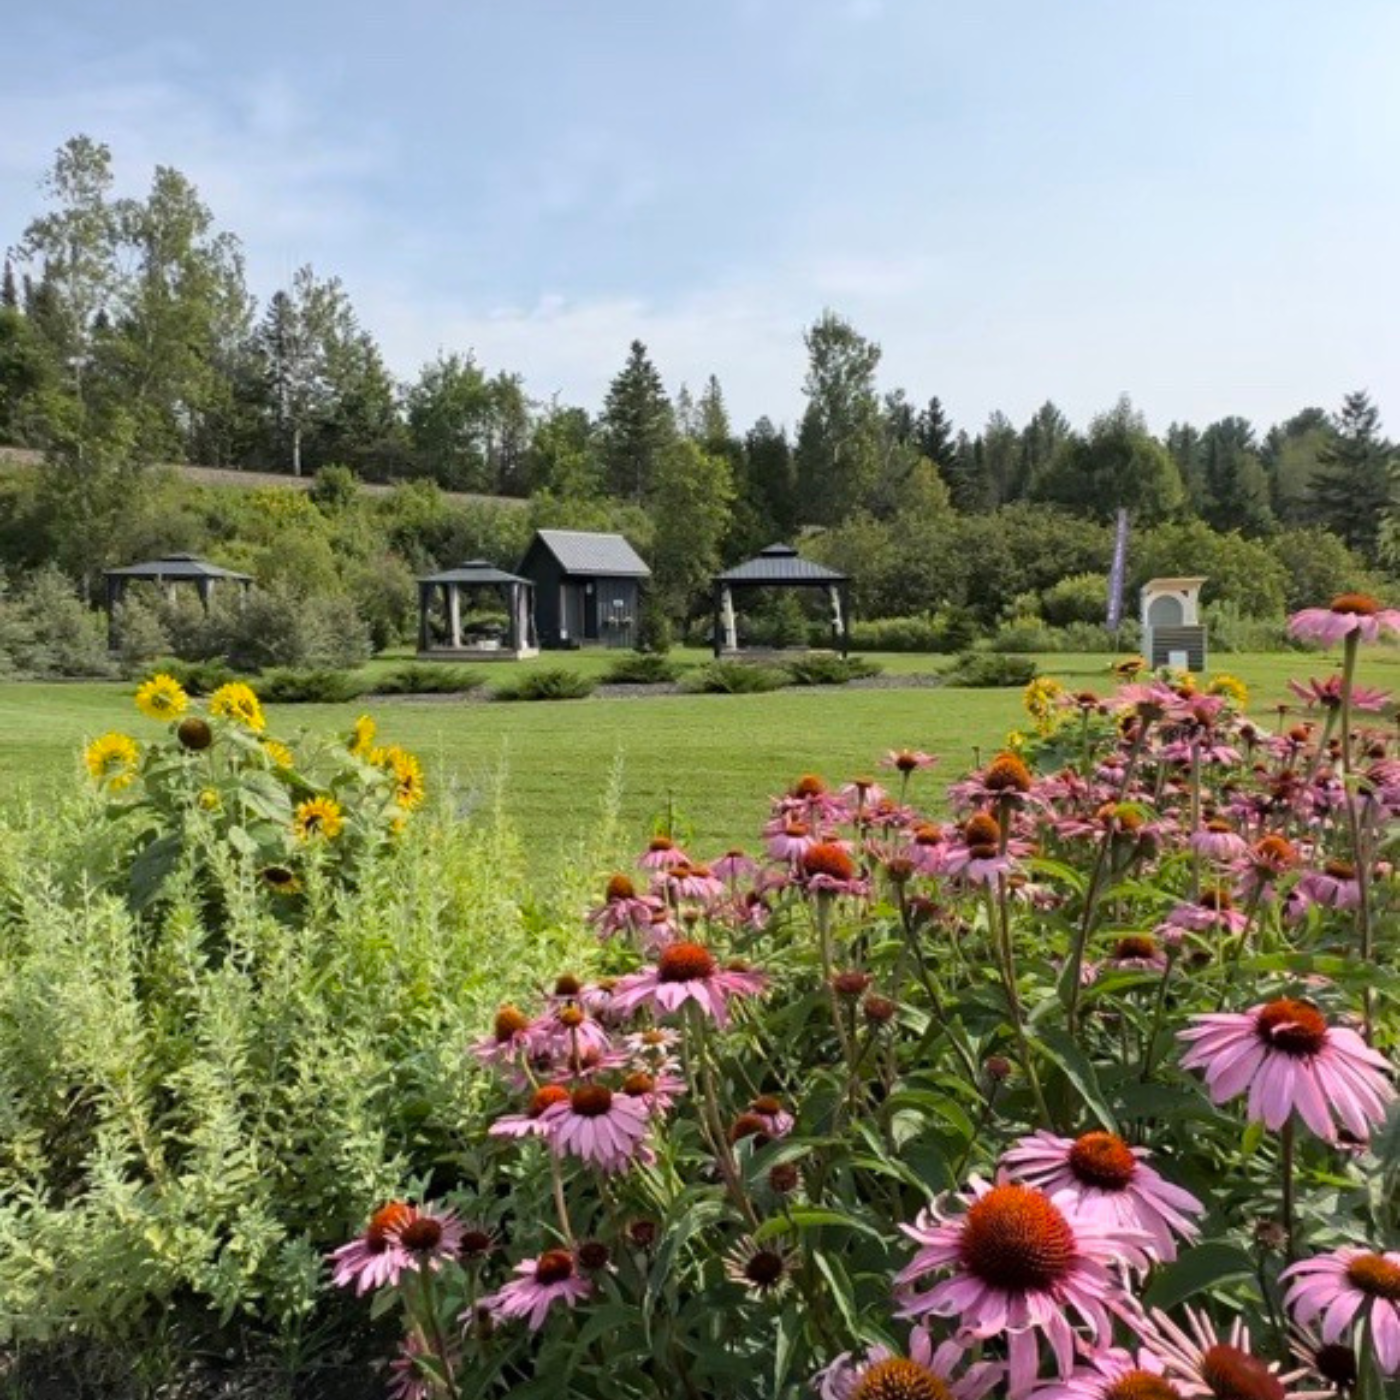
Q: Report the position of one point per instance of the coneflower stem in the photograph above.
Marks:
(1351, 647)
(1001, 938)
(1286, 1167)
(1091, 899)
(561, 1209)
(1159, 1006)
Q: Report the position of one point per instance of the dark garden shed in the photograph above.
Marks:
(587, 588)
(780, 566)
(167, 573)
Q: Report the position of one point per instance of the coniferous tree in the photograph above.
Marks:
(769, 479)
(9, 293)
(1292, 458)
(839, 441)
(638, 425)
(1040, 440)
(1352, 489)
(1236, 487)
(937, 441)
(1183, 442)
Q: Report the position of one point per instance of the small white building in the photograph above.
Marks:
(1172, 631)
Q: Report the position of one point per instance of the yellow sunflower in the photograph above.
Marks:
(280, 880)
(1128, 667)
(361, 738)
(279, 753)
(1232, 688)
(1040, 699)
(161, 697)
(113, 760)
(209, 800)
(237, 702)
(408, 779)
(318, 817)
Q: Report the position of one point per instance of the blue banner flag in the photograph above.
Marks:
(1115, 576)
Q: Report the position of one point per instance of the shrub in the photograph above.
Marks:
(1230, 631)
(426, 678)
(290, 686)
(984, 670)
(734, 678)
(198, 677)
(141, 637)
(653, 626)
(1023, 634)
(901, 634)
(274, 627)
(641, 668)
(555, 684)
(1078, 598)
(46, 631)
(820, 669)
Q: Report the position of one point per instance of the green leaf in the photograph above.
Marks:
(1204, 1266)
(1067, 1055)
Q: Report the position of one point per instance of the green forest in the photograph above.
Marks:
(129, 339)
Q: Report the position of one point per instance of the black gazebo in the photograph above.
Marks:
(166, 573)
(780, 566)
(516, 641)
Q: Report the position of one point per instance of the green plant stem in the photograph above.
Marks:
(1358, 851)
(1001, 936)
(1286, 1164)
(1091, 898)
(560, 1207)
(1159, 1006)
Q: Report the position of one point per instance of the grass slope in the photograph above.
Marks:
(715, 757)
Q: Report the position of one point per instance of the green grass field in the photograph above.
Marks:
(717, 758)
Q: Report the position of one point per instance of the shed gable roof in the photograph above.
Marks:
(589, 553)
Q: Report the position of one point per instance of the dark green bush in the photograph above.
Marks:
(555, 684)
(985, 669)
(823, 669)
(426, 678)
(290, 685)
(641, 668)
(734, 678)
(198, 677)
(904, 634)
(45, 630)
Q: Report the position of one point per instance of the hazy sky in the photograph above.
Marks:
(1194, 201)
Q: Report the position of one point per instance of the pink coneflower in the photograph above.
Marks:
(1352, 612)
(1342, 1286)
(696, 882)
(688, 972)
(408, 1380)
(1138, 952)
(928, 849)
(907, 761)
(1150, 700)
(830, 868)
(399, 1239)
(1218, 840)
(655, 1090)
(1109, 1183)
(862, 796)
(1334, 1362)
(1289, 1059)
(552, 1278)
(1113, 1374)
(1335, 886)
(567, 1031)
(763, 1271)
(598, 1126)
(977, 855)
(1005, 781)
(1216, 1368)
(789, 839)
(925, 1374)
(623, 910)
(768, 1109)
(1270, 857)
(1212, 908)
(1020, 1266)
(661, 854)
(508, 1039)
(734, 865)
(531, 1123)
(1328, 694)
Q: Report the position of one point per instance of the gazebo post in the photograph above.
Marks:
(716, 641)
(845, 619)
(206, 592)
(115, 588)
(425, 603)
(454, 615)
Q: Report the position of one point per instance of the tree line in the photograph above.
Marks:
(128, 336)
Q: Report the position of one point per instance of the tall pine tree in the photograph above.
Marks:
(638, 426)
(1352, 489)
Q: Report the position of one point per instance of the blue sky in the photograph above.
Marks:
(1192, 201)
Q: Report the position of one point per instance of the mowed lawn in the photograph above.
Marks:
(713, 759)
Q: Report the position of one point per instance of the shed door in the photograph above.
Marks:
(1165, 611)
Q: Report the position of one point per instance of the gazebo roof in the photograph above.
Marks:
(474, 571)
(588, 552)
(780, 563)
(178, 566)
